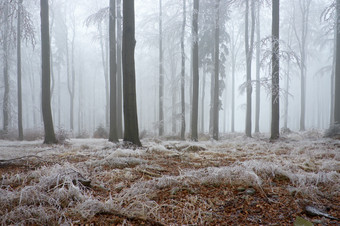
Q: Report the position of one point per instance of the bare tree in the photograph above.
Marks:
(129, 80)
(183, 73)
(161, 73)
(46, 77)
(119, 71)
(275, 124)
(113, 83)
(249, 43)
(216, 102)
(194, 112)
(20, 130)
(337, 68)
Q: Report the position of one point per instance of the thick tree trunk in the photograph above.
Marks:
(119, 72)
(20, 130)
(337, 69)
(258, 85)
(113, 137)
(46, 80)
(183, 73)
(216, 72)
(194, 117)
(275, 124)
(161, 73)
(131, 133)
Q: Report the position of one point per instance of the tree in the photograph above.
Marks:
(275, 124)
(129, 80)
(249, 43)
(5, 107)
(46, 76)
(20, 130)
(119, 71)
(216, 102)
(194, 116)
(258, 85)
(337, 68)
(113, 95)
(161, 73)
(183, 74)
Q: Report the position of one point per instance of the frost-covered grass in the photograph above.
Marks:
(125, 181)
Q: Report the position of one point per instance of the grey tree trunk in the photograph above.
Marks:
(113, 137)
(20, 130)
(119, 72)
(202, 98)
(337, 68)
(249, 42)
(258, 85)
(216, 72)
(275, 124)
(161, 74)
(331, 116)
(194, 117)
(106, 76)
(131, 133)
(46, 79)
(6, 75)
(183, 73)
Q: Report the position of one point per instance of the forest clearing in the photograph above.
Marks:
(234, 181)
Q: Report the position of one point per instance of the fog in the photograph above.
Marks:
(80, 47)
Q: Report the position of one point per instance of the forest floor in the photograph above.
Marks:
(235, 181)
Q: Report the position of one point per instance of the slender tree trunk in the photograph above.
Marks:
(73, 77)
(287, 96)
(331, 117)
(6, 75)
(21, 135)
(275, 124)
(202, 98)
(131, 133)
(216, 72)
(46, 82)
(258, 85)
(119, 71)
(161, 73)
(249, 42)
(183, 73)
(194, 117)
(59, 93)
(113, 137)
(337, 69)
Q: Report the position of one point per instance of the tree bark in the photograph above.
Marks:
(129, 80)
(6, 75)
(258, 85)
(161, 73)
(194, 117)
(113, 82)
(20, 130)
(46, 79)
(183, 73)
(337, 69)
(216, 72)
(119, 72)
(249, 54)
(275, 124)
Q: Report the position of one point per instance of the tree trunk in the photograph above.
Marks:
(249, 53)
(106, 76)
(331, 116)
(275, 124)
(202, 98)
(129, 80)
(337, 69)
(113, 82)
(119, 72)
(258, 85)
(216, 72)
(6, 75)
(183, 73)
(46, 79)
(285, 124)
(21, 136)
(194, 117)
(161, 73)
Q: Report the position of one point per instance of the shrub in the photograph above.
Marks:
(101, 132)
